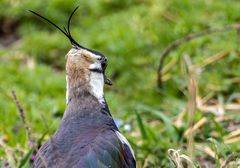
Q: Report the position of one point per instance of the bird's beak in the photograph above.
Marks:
(107, 81)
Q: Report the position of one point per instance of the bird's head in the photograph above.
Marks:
(84, 64)
(84, 67)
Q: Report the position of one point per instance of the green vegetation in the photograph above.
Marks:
(132, 34)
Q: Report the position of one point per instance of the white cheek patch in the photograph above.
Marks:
(125, 141)
(96, 78)
(96, 84)
(95, 66)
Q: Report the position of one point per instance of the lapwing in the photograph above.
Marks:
(87, 136)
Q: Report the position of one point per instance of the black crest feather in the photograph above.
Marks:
(65, 31)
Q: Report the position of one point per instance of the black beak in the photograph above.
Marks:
(107, 81)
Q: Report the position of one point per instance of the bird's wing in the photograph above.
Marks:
(47, 156)
(104, 150)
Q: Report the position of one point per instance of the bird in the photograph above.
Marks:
(87, 136)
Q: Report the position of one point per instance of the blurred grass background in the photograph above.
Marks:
(132, 34)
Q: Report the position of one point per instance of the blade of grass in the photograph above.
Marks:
(141, 126)
(220, 150)
(25, 161)
(171, 130)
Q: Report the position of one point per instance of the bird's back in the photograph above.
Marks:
(86, 140)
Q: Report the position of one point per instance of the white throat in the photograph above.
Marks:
(97, 84)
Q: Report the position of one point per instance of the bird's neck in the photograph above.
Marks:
(83, 103)
(86, 102)
(93, 84)
(96, 83)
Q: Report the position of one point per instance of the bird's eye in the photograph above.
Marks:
(105, 59)
(102, 59)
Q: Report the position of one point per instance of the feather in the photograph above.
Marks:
(86, 138)
(65, 31)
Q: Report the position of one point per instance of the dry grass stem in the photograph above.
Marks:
(178, 158)
(232, 134)
(196, 126)
(217, 109)
(191, 106)
(212, 59)
(223, 118)
(232, 140)
(23, 117)
(232, 107)
(208, 151)
(191, 110)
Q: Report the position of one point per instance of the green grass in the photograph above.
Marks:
(132, 34)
